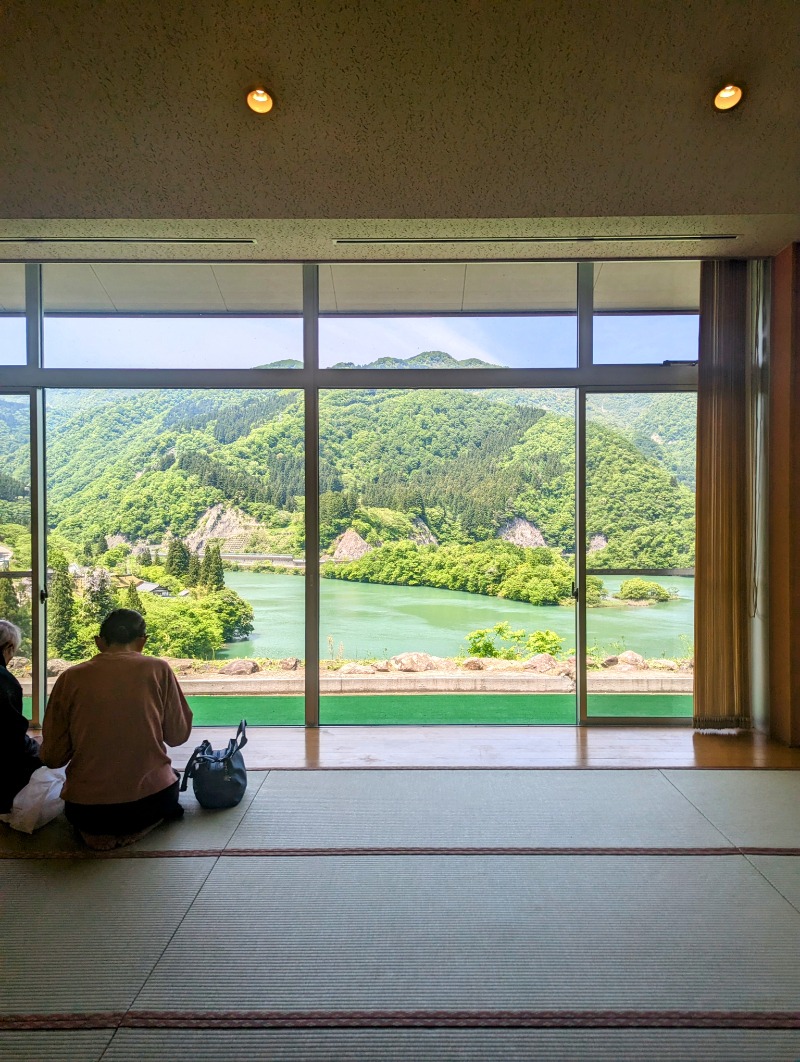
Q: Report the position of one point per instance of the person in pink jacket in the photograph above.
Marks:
(108, 721)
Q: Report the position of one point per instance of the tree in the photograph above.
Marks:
(61, 619)
(15, 611)
(642, 590)
(145, 557)
(212, 575)
(177, 562)
(193, 572)
(98, 596)
(95, 545)
(132, 598)
(235, 614)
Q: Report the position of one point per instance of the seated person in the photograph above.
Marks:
(20, 752)
(108, 720)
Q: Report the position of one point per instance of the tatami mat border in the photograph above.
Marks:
(407, 1019)
(515, 767)
(233, 853)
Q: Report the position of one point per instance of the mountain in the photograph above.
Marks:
(463, 463)
(429, 359)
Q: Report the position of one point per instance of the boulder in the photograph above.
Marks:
(19, 662)
(357, 669)
(542, 662)
(474, 663)
(413, 662)
(625, 667)
(382, 665)
(181, 667)
(240, 667)
(56, 667)
(610, 661)
(634, 659)
(663, 665)
(291, 663)
(499, 664)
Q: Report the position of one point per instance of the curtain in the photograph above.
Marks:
(724, 493)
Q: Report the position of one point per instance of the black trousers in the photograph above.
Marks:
(119, 820)
(18, 774)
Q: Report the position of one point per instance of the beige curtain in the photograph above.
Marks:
(722, 573)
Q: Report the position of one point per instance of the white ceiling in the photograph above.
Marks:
(455, 118)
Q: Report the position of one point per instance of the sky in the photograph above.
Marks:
(235, 342)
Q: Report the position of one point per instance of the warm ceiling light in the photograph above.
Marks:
(259, 100)
(727, 97)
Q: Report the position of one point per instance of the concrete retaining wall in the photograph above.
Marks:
(293, 683)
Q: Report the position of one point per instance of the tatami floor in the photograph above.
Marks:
(479, 911)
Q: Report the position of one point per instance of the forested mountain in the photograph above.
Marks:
(142, 464)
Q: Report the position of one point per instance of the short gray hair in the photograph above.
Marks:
(10, 635)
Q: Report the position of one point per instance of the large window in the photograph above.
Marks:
(448, 316)
(234, 413)
(12, 314)
(187, 506)
(171, 316)
(447, 530)
(640, 533)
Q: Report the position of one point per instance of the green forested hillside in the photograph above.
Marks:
(461, 463)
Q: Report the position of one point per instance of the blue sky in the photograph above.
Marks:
(216, 343)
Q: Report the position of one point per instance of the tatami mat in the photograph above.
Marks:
(79, 1046)
(783, 872)
(302, 809)
(441, 941)
(198, 829)
(83, 935)
(752, 808)
(454, 1045)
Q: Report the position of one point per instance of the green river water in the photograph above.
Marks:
(364, 620)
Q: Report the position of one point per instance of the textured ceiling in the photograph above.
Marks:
(459, 110)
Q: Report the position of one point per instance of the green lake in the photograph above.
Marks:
(364, 620)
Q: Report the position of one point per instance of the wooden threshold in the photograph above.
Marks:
(495, 747)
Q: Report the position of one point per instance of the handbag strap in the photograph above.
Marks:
(191, 766)
(241, 735)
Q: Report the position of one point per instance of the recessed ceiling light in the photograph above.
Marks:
(727, 97)
(260, 101)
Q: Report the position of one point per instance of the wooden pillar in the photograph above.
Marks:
(784, 499)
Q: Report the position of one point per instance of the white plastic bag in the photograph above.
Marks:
(40, 800)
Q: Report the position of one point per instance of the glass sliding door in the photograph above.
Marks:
(447, 538)
(640, 528)
(15, 530)
(186, 505)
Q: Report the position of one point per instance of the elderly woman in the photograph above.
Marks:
(20, 753)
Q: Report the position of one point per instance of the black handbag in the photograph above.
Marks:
(219, 779)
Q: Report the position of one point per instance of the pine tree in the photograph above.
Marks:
(99, 598)
(177, 562)
(193, 573)
(212, 575)
(61, 627)
(132, 599)
(145, 558)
